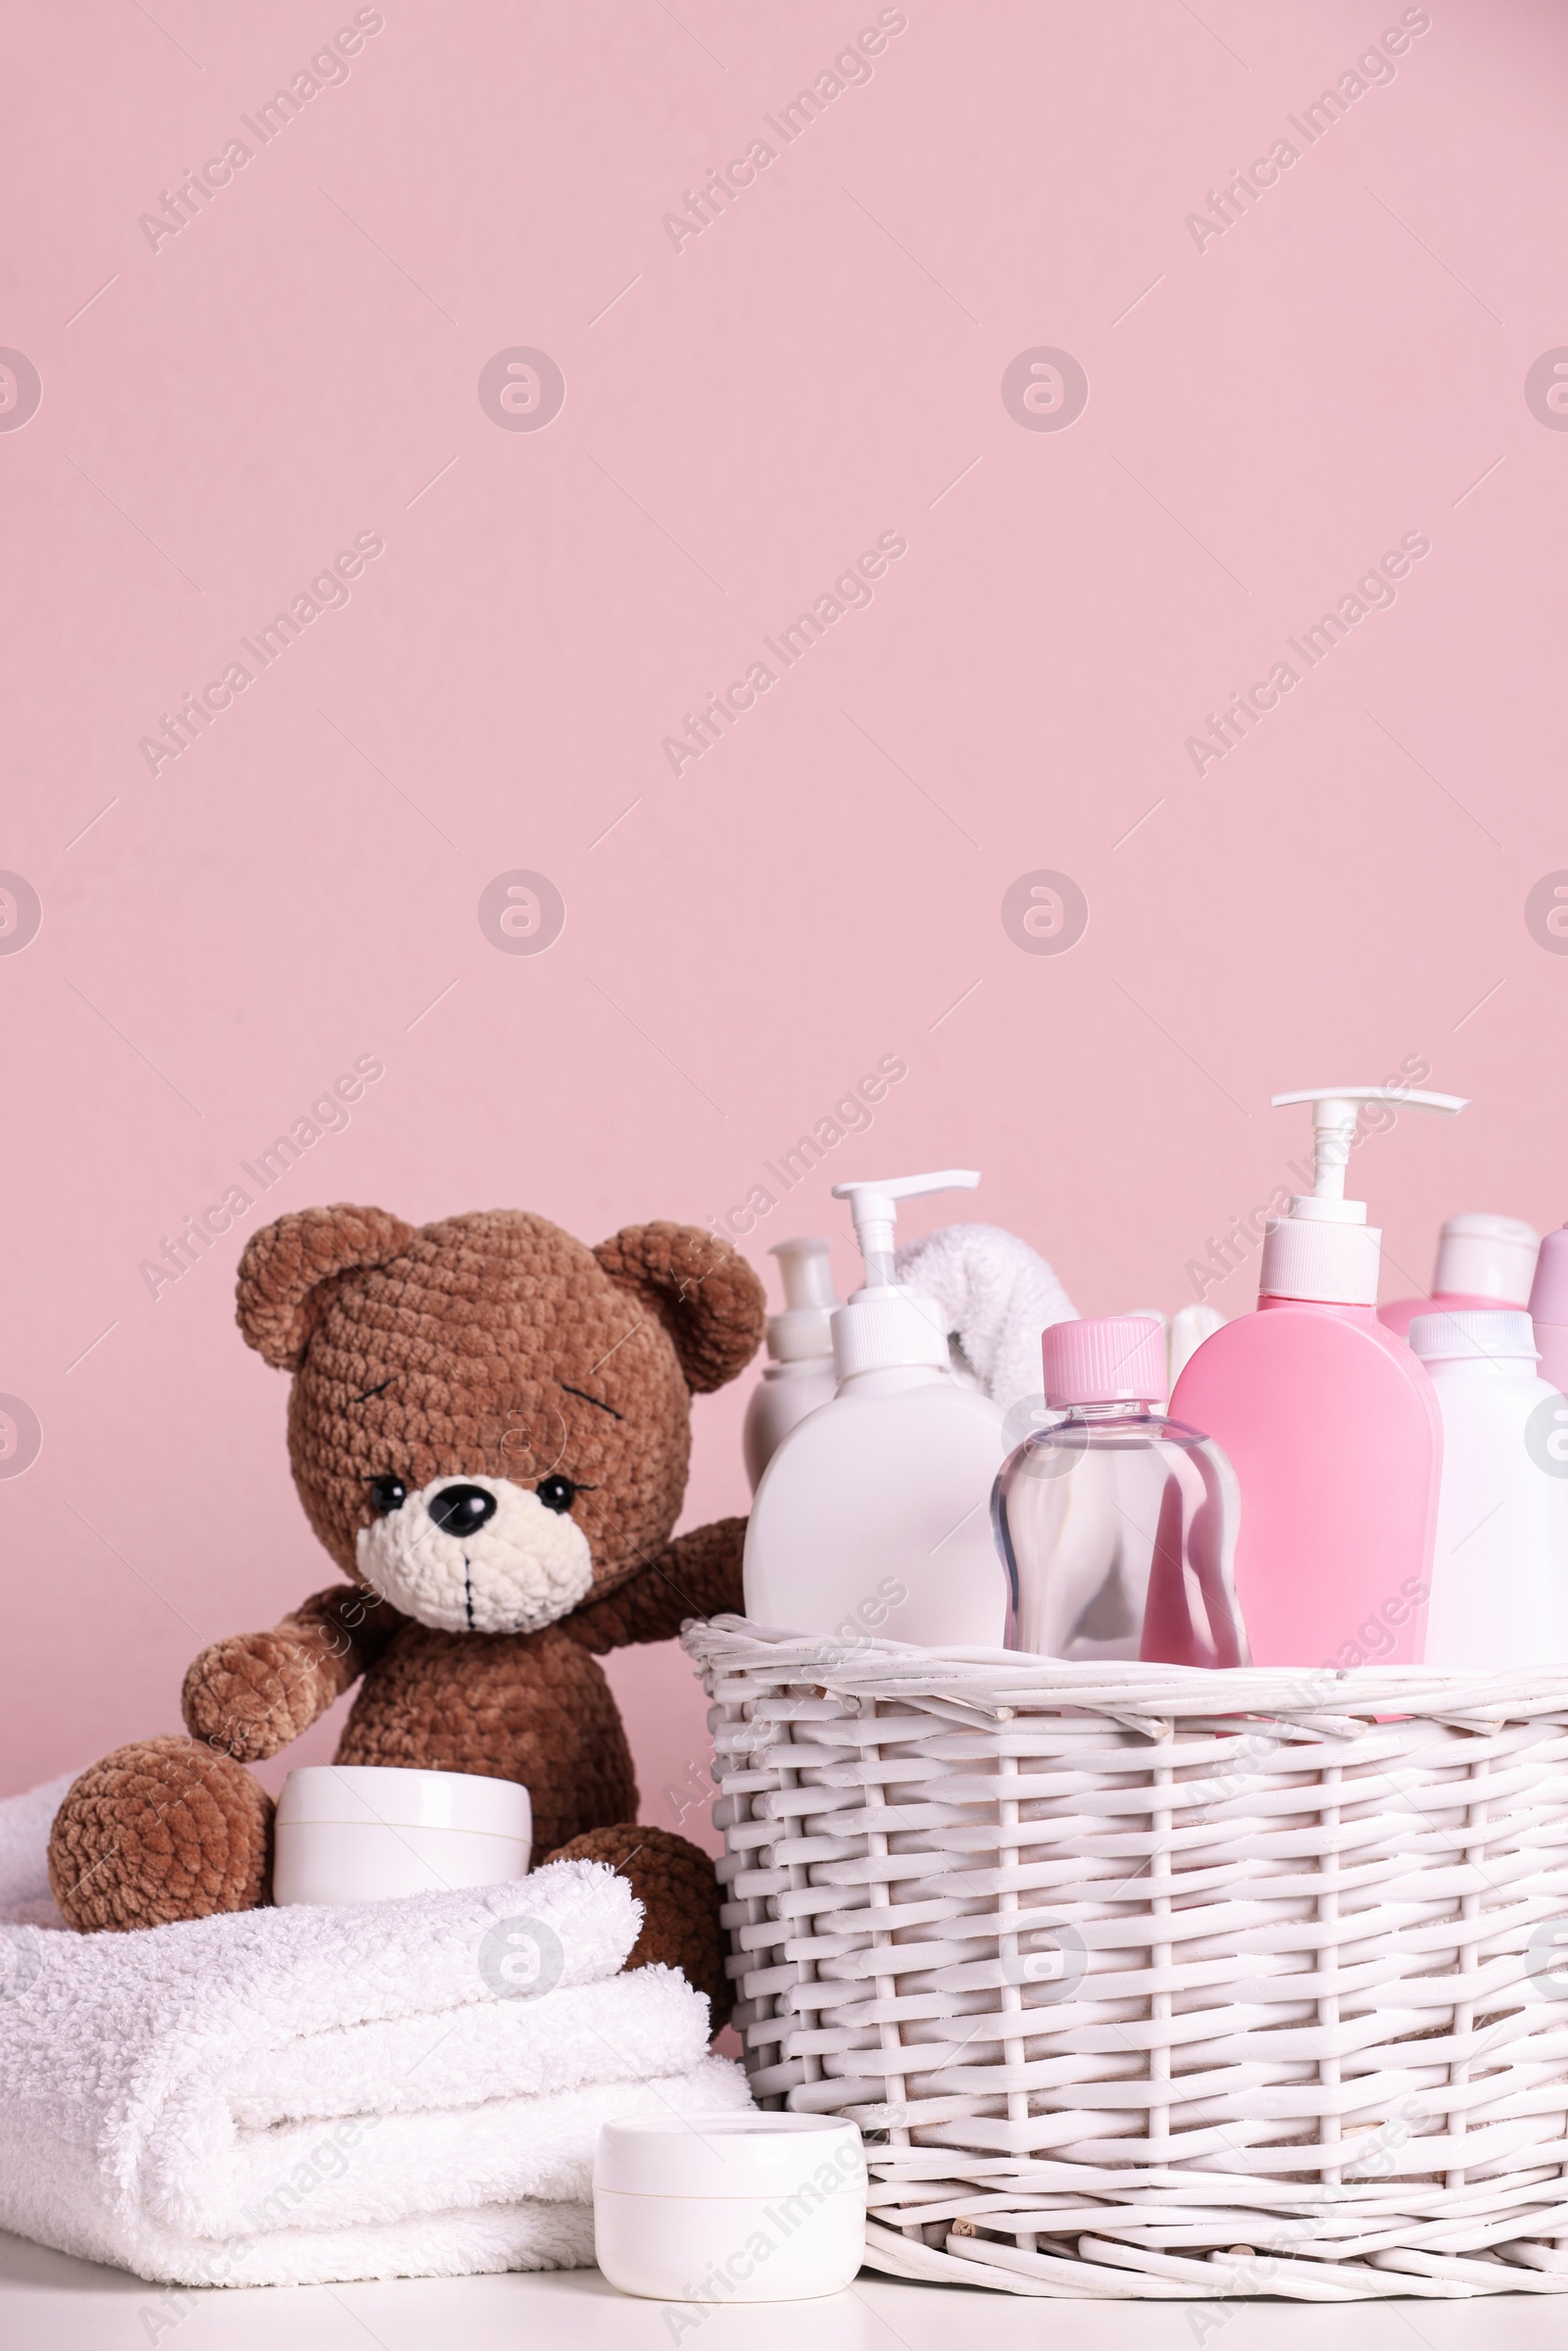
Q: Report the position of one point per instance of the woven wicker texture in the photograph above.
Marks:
(1144, 1981)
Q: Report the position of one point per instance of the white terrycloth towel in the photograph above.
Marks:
(994, 1294)
(311, 2095)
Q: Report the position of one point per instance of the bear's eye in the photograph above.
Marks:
(556, 1493)
(387, 1493)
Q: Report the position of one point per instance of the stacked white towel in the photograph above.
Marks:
(312, 2095)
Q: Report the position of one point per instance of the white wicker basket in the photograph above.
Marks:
(1144, 1981)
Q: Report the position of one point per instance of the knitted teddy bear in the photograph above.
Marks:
(489, 1428)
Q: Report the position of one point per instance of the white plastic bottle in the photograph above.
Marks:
(799, 1341)
(1483, 1262)
(1500, 1566)
(873, 1517)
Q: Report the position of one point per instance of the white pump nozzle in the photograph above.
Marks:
(884, 1326)
(1334, 1116)
(874, 1207)
(806, 1273)
(804, 1330)
(1325, 1252)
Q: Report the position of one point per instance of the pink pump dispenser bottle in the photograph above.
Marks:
(1331, 1424)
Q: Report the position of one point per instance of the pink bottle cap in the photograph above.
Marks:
(1548, 1300)
(1104, 1359)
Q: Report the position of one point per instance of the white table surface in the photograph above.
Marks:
(50, 2303)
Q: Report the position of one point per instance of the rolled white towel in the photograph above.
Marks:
(995, 1295)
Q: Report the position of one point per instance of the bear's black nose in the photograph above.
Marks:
(462, 1510)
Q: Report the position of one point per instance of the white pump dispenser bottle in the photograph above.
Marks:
(872, 1516)
(800, 1374)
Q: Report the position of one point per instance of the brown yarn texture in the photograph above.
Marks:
(489, 1344)
(159, 1831)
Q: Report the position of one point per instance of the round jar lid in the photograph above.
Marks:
(733, 2155)
(372, 1795)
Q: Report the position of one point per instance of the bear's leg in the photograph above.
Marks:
(674, 1883)
(162, 1829)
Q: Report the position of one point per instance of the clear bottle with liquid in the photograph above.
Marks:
(1117, 1526)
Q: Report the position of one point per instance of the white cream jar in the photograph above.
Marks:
(729, 2207)
(361, 1833)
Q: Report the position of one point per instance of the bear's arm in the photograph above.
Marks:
(255, 1692)
(697, 1575)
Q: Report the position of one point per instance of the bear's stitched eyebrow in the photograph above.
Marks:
(369, 1392)
(568, 1390)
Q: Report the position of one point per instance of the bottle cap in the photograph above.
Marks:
(1480, 1255)
(1473, 1333)
(805, 1330)
(1548, 1296)
(1325, 1252)
(1104, 1359)
(884, 1325)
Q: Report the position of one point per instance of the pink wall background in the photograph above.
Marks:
(1268, 411)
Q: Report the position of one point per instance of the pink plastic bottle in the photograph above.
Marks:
(1331, 1425)
(1483, 1262)
(1548, 1309)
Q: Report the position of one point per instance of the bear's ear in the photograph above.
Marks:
(290, 1269)
(704, 1293)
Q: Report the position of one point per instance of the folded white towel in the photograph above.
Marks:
(311, 2095)
(995, 1295)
